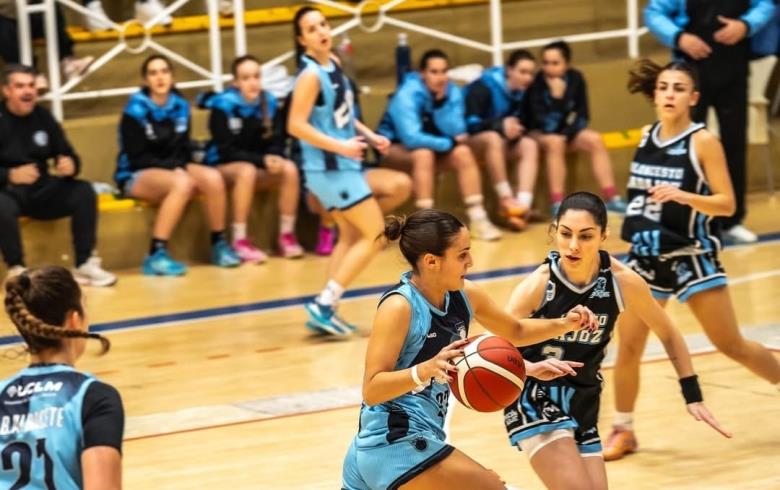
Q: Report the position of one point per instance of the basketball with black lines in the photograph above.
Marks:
(490, 375)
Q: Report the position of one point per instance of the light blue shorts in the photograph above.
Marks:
(338, 189)
(389, 467)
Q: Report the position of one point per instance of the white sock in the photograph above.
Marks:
(474, 208)
(286, 224)
(423, 203)
(503, 190)
(331, 294)
(624, 420)
(525, 198)
(239, 231)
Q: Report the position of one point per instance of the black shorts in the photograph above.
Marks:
(681, 276)
(545, 406)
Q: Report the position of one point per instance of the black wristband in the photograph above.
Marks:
(690, 389)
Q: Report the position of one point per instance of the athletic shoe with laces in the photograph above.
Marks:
(617, 205)
(324, 318)
(620, 443)
(326, 239)
(160, 263)
(223, 255)
(483, 229)
(91, 273)
(738, 235)
(289, 248)
(249, 253)
(98, 22)
(146, 11)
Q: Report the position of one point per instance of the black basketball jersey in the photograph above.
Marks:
(656, 229)
(603, 298)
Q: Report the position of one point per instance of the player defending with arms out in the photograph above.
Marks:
(554, 422)
(59, 428)
(679, 182)
(322, 117)
(419, 327)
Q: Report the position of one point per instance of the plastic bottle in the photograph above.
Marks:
(403, 58)
(346, 54)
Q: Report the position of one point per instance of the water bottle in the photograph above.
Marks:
(403, 58)
(346, 55)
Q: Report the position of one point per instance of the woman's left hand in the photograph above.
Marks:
(551, 368)
(667, 192)
(700, 412)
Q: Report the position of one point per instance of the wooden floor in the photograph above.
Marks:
(231, 399)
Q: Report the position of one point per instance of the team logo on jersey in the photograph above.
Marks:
(41, 138)
(511, 417)
(33, 388)
(235, 124)
(600, 290)
(678, 149)
(181, 124)
(549, 293)
(460, 328)
(683, 272)
(149, 130)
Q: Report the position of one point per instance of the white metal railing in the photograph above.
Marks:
(213, 76)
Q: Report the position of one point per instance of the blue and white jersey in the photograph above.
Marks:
(424, 409)
(42, 434)
(333, 114)
(489, 100)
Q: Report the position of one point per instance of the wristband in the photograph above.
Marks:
(416, 377)
(690, 389)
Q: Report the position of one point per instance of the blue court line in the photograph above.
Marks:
(259, 306)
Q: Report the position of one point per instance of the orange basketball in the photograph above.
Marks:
(491, 374)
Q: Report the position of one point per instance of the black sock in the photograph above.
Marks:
(156, 245)
(217, 236)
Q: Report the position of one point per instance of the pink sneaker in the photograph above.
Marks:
(249, 253)
(325, 241)
(289, 248)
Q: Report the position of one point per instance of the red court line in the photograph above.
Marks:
(312, 412)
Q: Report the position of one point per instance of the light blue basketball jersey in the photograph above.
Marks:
(430, 330)
(333, 114)
(40, 428)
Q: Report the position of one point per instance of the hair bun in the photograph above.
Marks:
(394, 227)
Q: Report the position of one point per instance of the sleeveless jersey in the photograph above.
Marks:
(603, 298)
(40, 428)
(424, 409)
(656, 229)
(332, 114)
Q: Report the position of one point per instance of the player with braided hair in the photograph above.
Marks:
(59, 428)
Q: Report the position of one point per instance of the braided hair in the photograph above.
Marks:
(38, 302)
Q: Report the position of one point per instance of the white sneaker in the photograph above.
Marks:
(738, 234)
(90, 273)
(146, 11)
(98, 22)
(483, 229)
(73, 67)
(15, 271)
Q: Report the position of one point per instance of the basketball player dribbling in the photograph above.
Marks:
(421, 324)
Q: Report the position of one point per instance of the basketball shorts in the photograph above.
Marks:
(338, 189)
(681, 276)
(389, 467)
(550, 407)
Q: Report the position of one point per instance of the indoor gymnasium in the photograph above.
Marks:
(416, 244)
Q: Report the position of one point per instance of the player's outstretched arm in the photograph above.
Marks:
(522, 330)
(640, 302)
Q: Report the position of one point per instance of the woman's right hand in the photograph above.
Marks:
(354, 148)
(440, 366)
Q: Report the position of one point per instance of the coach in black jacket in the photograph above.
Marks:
(37, 177)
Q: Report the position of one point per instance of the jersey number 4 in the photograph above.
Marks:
(25, 463)
(642, 206)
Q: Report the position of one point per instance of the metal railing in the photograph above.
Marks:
(213, 76)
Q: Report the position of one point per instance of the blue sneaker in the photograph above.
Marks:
(325, 319)
(223, 255)
(617, 205)
(162, 264)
